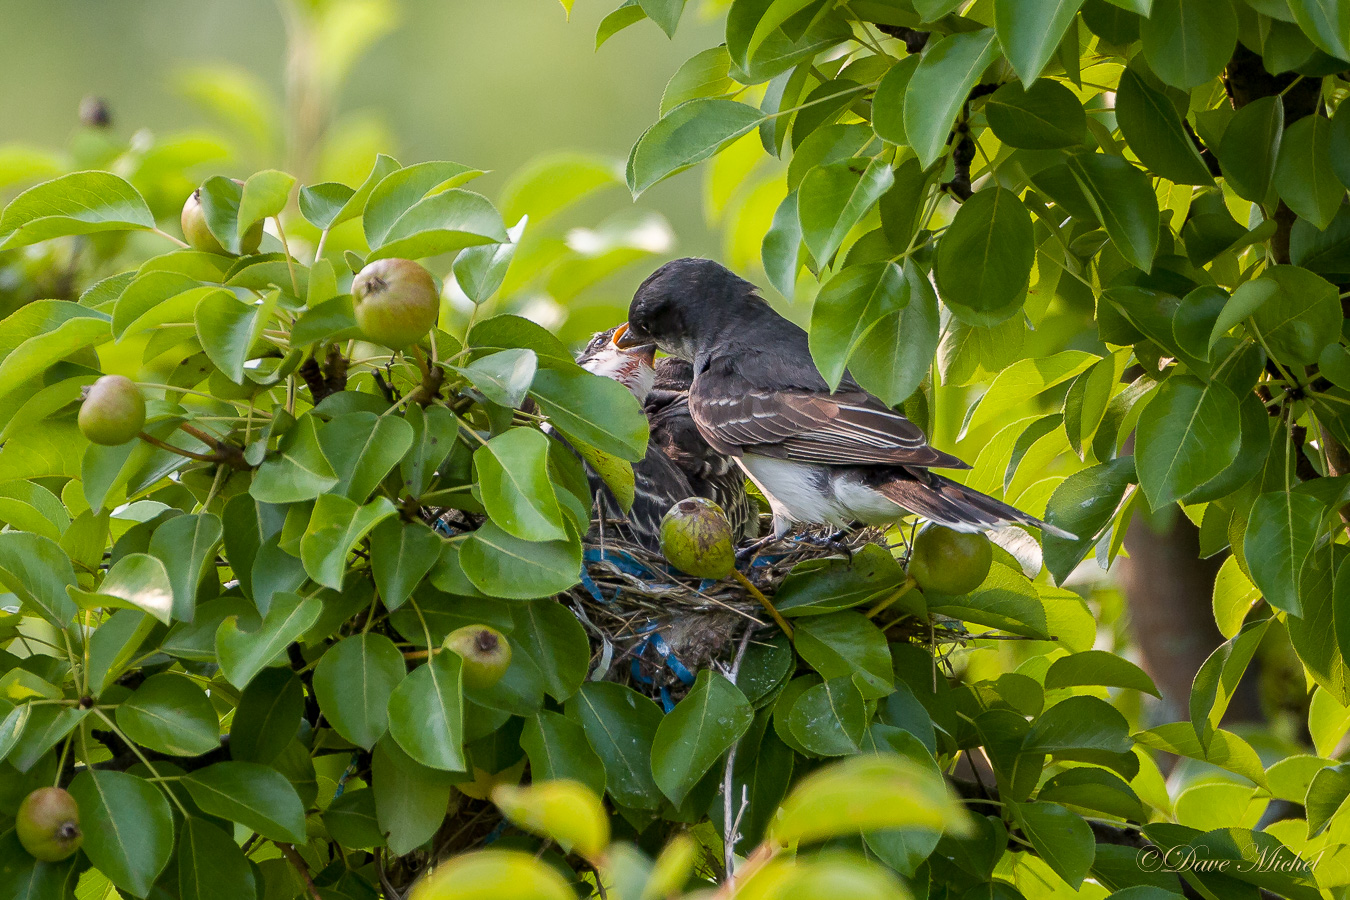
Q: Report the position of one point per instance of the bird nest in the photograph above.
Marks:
(654, 628)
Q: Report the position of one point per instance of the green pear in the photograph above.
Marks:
(113, 411)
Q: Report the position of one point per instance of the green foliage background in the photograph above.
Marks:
(1096, 247)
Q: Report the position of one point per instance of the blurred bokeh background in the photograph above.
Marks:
(493, 85)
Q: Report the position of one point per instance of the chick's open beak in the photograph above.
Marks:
(631, 341)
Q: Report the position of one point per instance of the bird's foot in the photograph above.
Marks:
(749, 551)
(832, 542)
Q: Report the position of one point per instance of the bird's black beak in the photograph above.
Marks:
(626, 337)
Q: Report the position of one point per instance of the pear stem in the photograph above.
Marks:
(899, 592)
(764, 601)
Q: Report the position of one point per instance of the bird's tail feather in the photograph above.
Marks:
(956, 506)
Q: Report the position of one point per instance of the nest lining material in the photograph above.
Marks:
(655, 628)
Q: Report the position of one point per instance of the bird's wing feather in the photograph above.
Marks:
(845, 428)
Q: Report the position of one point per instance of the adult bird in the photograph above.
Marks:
(819, 456)
(711, 474)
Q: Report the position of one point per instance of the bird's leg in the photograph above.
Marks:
(831, 542)
(749, 550)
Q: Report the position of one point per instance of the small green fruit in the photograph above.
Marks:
(199, 236)
(485, 652)
(48, 824)
(396, 302)
(113, 411)
(950, 562)
(696, 539)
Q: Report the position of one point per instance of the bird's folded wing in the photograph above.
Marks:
(845, 428)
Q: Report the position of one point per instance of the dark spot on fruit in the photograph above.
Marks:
(485, 641)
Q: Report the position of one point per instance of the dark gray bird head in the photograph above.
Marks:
(687, 303)
(631, 366)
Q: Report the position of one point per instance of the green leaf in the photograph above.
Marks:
(685, 136)
(170, 714)
(1326, 23)
(1045, 116)
(128, 828)
(267, 717)
(503, 377)
(817, 587)
(1122, 199)
(1079, 727)
(1226, 750)
(187, 547)
(629, 13)
(136, 581)
(220, 198)
(1326, 795)
(41, 352)
(592, 409)
(1188, 434)
(983, 261)
(695, 734)
(553, 183)
(1154, 129)
(78, 203)
(1301, 318)
(830, 718)
(702, 75)
(479, 271)
(352, 820)
(665, 13)
(258, 797)
(1188, 42)
(1218, 678)
(515, 488)
(1282, 528)
(1098, 667)
(1250, 146)
(846, 310)
(226, 328)
(298, 470)
(1085, 504)
(410, 799)
(548, 633)
(321, 204)
(1022, 380)
(1005, 600)
(621, 725)
(949, 69)
(395, 194)
(1305, 177)
(893, 357)
(401, 554)
(363, 448)
(846, 645)
(1029, 32)
(557, 748)
(872, 792)
(501, 565)
(833, 198)
(451, 220)
(353, 683)
(435, 431)
(888, 103)
(244, 654)
(426, 714)
(38, 572)
(265, 196)
(1234, 597)
(1060, 837)
(211, 866)
(336, 526)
